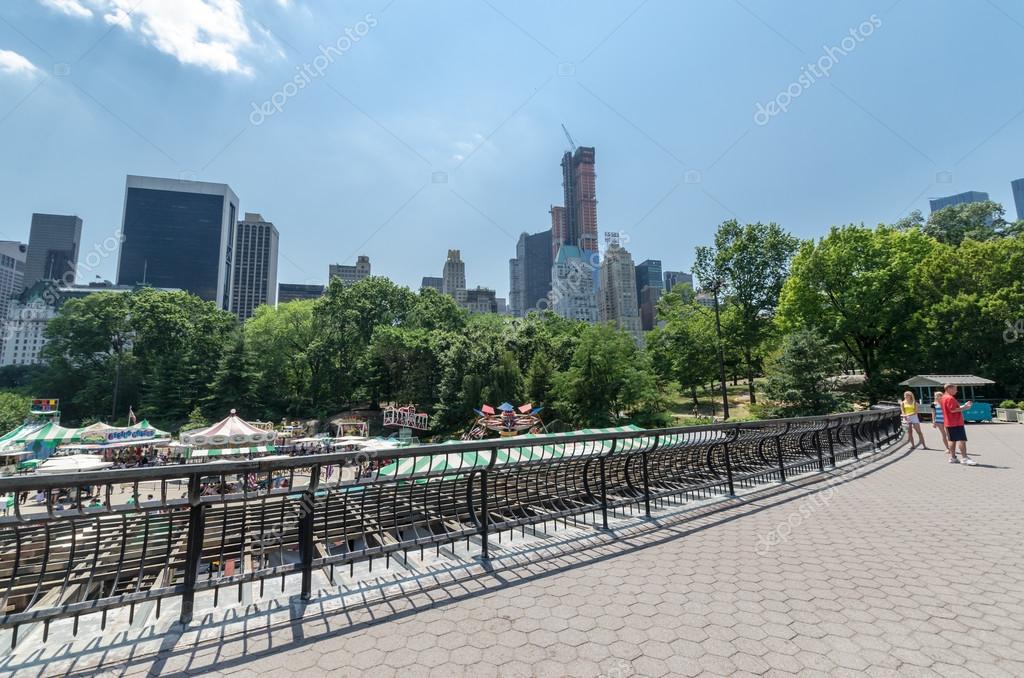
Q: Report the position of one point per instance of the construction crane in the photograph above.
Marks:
(572, 144)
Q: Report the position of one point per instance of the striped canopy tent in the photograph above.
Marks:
(220, 453)
(10, 439)
(144, 424)
(47, 435)
(230, 431)
(463, 461)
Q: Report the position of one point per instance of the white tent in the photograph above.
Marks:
(230, 431)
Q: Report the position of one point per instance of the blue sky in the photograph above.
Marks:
(437, 125)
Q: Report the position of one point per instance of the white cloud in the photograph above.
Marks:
(206, 33)
(15, 64)
(69, 7)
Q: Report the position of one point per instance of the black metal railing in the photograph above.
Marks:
(87, 543)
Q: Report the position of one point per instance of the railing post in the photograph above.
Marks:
(818, 447)
(778, 454)
(485, 518)
(194, 548)
(853, 438)
(647, 477)
(728, 461)
(306, 531)
(604, 485)
(485, 521)
(831, 447)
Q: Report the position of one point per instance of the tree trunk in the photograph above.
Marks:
(748, 359)
(693, 395)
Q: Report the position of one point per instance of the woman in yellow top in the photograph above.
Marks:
(910, 416)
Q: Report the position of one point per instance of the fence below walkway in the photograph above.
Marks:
(120, 538)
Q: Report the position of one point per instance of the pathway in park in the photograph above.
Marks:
(906, 566)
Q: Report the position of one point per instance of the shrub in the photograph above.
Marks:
(1020, 405)
(1008, 405)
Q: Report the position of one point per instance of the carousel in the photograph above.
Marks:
(230, 437)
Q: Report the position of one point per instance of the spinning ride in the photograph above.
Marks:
(506, 421)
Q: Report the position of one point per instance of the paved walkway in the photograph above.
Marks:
(907, 566)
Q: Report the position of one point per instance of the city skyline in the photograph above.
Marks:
(439, 154)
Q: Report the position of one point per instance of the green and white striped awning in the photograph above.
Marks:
(463, 461)
(47, 433)
(231, 452)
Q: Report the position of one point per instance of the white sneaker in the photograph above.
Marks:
(952, 460)
(969, 461)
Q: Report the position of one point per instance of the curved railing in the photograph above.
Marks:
(214, 526)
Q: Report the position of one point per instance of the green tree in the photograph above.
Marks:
(13, 410)
(854, 288)
(751, 262)
(974, 220)
(684, 349)
(800, 376)
(539, 379)
(195, 420)
(969, 302)
(293, 363)
(609, 381)
(235, 382)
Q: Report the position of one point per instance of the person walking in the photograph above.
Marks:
(953, 420)
(937, 418)
(913, 419)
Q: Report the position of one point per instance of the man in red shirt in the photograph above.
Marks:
(953, 420)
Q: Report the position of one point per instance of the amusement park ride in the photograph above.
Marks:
(506, 421)
(407, 419)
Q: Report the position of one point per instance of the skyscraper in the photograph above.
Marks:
(297, 292)
(574, 284)
(648, 274)
(254, 281)
(480, 300)
(12, 272)
(351, 274)
(649, 307)
(558, 235)
(579, 185)
(617, 299)
(52, 249)
(530, 272)
(179, 234)
(433, 282)
(453, 276)
(673, 278)
(1017, 185)
(937, 204)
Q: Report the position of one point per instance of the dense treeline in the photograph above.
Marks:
(942, 295)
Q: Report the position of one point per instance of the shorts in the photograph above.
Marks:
(956, 433)
(913, 419)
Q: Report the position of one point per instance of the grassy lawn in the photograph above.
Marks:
(710, 403)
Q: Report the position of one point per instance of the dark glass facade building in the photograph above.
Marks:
(179, 234)
(530, 273)
(937, 204)
(52, 249)
(294, 292)
(648, 274)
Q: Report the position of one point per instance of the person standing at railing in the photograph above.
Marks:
(953, 419)
(913, 420)
(937, 418)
